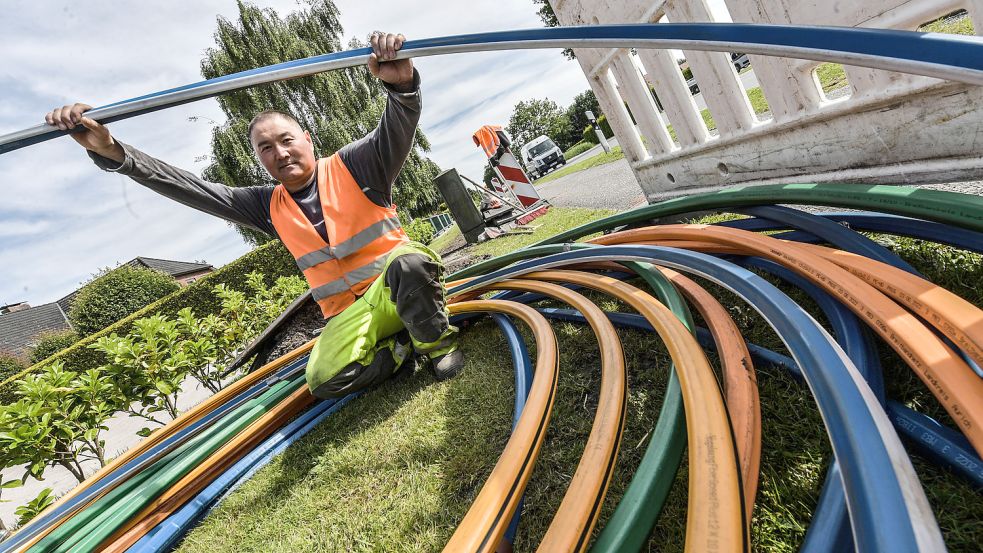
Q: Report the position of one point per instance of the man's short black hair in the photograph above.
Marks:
(266, 114)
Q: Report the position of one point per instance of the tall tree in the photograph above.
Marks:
(531, 118)
(337, 107)
(576, 113)
(546, 13)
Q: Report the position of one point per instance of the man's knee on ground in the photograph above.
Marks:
(355, 377)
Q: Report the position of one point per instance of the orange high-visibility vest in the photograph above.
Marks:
(360, 236)
(487, 138)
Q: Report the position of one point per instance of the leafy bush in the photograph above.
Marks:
(589, 135)
(605, 126)
(272, 260)
(34, 507)
(420, 230)
(50, 343)
(10, 365)
(57, 421)
(115, 295)
(148, 365)
(213, 342)
(577, 113)
(577, 149)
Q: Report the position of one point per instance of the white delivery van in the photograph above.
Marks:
(540, 155)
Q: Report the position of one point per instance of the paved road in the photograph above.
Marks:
(610, 186)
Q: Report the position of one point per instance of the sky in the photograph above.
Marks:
(62, 219)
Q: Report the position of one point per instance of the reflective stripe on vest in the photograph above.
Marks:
(353, 277)
(350, 246)
(361, 234)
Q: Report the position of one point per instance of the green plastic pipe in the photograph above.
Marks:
(631, 523)
(952, 208)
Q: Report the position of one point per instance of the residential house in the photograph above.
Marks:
(21, 324)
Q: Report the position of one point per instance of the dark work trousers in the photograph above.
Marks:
(414, 281)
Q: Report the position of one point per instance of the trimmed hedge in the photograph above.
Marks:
(10, 364)
(605, 126)
(271, 259)
(590, 136)
(577, 149)
(50, 343)
(117, 294)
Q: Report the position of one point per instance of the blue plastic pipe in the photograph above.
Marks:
(930, 54)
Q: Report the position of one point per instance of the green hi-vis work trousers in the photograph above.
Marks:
(361, 346)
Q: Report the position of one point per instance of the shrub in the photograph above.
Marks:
(10, 365)
(34, 507)
(605, 126)
(50, 343)
(115, 295)
(420, 230)
(577, 149)
(590, 136)
(148, 365)
(213, 342)
(272, 260)
(57, 421)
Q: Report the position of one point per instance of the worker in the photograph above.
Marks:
(335, 216)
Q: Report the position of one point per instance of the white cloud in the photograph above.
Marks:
(61, 218)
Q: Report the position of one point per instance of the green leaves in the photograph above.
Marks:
(59, 415)
(35, 506)
(531, 118)
(56, 421)
(420, 230)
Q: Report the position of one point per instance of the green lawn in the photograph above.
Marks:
(556, 220)
(441, 243)
(398, 468)
(594, 161)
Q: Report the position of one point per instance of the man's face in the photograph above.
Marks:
(285, 150)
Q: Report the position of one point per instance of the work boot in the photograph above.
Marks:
(447, 366)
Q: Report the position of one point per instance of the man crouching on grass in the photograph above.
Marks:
(335, 215)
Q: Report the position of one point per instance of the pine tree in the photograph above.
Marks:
(337, 107)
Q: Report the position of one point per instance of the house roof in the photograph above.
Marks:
(176, 269)
(18, 330)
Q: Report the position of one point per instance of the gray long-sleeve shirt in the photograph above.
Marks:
(374, 161)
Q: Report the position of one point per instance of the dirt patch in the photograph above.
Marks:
(461, 260)
(296, 331)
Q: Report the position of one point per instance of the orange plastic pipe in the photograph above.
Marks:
(580, 507)
(740, 381)
(715, 514)
(488, 518)
(948, 377)
(955, 317)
